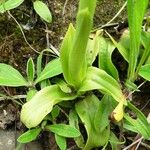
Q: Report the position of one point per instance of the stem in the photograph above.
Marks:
(12, 97)
(142, 60)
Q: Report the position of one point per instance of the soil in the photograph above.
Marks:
(15, 51)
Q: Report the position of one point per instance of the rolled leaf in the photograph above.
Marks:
(77, 57)
(41, 104)
(11, 77)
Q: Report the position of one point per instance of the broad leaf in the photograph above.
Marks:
(145, 72)
(135, 18)
(29, 136)
(99, 79)
(10, 4)
(42, 10)
(41, 104)
(87, 111)
(105, 62)
(63, 130)
(11, 77)
(53, 68)
(30, 69)
(61, 142)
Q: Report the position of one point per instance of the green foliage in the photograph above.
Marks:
(43, 11)
(40, 7)
(9, 4)
(88, 110)
(53, 68)
(34, 111)
(105, 62)
(29, 136)
(135, 18)
(11, 77)
(63, 130)
(145, 72)
(30, 70)
(78, 53)
(99, 79)
(139, 125)
(61, 142)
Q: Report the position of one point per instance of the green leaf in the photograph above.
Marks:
(105, 62)
(87, 111)
(139, 114)
(65, 51)
(103, 112)
(77, 58)
(53, 68)
(64, 130)
(114, 141)
(145, 72)
(10, 4)
(11, 77)
(30, 69)
(34, 111)
(93, 47)
(125, 41)
(145, 37)
(42, 10)
(30, 94)
(74, 122)
(61, 142)
(140, 124)
(29, 136)
(55, 112)
(99, 79)
(122, 50)
(131, 86)
(135, 18)
(63, 85)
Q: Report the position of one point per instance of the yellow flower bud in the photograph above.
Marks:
(118, 112)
